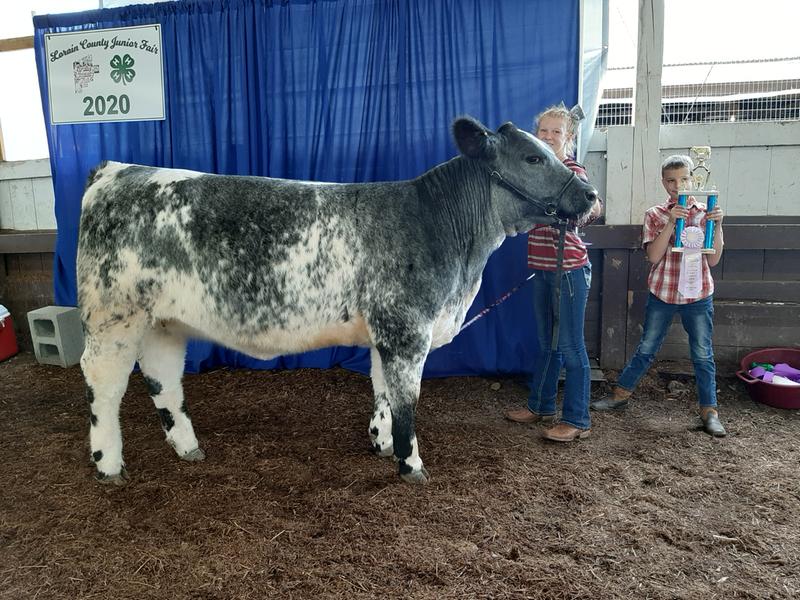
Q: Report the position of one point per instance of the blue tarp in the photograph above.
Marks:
(330, 90)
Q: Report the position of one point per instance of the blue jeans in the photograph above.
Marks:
(571, 351)
(698, 321)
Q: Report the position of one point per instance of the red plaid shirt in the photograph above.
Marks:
(543, 239)
(663, 279)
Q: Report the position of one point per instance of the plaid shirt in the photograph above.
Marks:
(663, 279)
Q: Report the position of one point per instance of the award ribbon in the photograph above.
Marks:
(690, 280)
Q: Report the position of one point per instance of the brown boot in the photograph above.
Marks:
(564, 432)
(523, 415)
(711, 423)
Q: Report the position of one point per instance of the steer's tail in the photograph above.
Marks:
(94, 174)
(94, 181)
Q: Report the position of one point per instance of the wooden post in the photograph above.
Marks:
(619, 142)
(634, 180)
(646, 188)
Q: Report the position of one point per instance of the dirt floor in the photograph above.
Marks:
(290, 504)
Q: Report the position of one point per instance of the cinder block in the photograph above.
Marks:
(57, 335)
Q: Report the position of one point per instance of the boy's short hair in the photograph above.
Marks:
(676, 161)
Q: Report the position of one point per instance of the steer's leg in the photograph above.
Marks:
(107, 361)
(162, 360)
(402, 372)
(380, 426)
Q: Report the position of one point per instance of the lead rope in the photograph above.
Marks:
(500, 300)
(562, 234)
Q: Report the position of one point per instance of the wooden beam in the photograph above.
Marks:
(760, 236)
(26, 242)
(25, 169)
(603, 237)
(765, 291)
(734, 135)
(761, 220)
(763, 237)
(19, 43)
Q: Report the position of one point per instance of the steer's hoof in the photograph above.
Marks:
(119, 479)
(194, 455)
(419, 477)
(383, 451)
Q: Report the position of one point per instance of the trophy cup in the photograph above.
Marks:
(701, 176)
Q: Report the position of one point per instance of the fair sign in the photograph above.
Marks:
(105, 75)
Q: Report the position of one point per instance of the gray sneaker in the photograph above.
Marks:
(608, 402)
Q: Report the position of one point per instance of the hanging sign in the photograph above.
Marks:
(105, 75)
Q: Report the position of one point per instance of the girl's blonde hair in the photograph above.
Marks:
(570, 116)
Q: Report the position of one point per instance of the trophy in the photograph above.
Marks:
(701, 175)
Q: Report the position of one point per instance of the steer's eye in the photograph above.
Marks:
(533, 160)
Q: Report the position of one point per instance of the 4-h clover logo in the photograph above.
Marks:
(121, 69)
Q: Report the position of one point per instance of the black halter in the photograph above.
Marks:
(562, 235)
(548, 205)
(550, 208)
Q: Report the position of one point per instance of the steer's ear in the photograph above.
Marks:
(506, 128)
(473, 139)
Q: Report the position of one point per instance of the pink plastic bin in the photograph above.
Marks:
(778, 396)
(8, 341)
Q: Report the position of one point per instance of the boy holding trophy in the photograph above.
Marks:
(680, 282)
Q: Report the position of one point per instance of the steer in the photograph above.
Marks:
(273, 266)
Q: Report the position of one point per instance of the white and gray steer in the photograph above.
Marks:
(272, 266)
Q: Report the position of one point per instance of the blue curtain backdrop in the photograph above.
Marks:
(331, 90)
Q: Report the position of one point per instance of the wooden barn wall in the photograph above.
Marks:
(591, 327)
(27, 239)
(753, 165)
(26, 283)
(27, 201)
(756, 300)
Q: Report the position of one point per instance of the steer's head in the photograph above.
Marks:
(529, 183)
